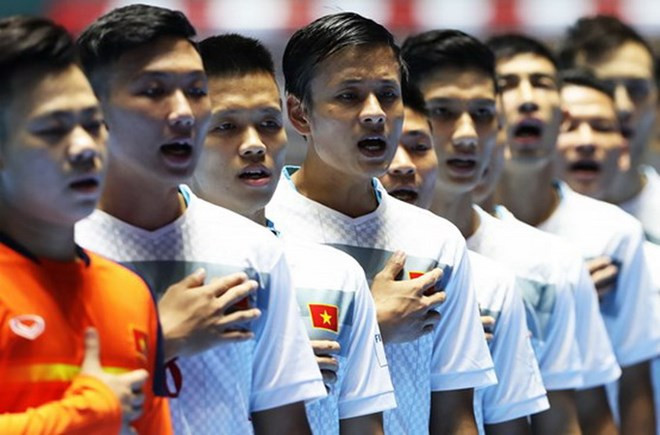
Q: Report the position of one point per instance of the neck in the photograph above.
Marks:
(258, 217)
(488, 203)
(527, 191)
(352, 197)
(42, 239)
(626, 185)
(131, 199)
(456, 208)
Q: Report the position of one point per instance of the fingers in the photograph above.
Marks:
(325, 347)
(195, 279)
(91, 361)
(237, 317)
(235, 293)
(220, 285)
(598, 263)
(488, 322)
(237, 335)
(394, 266)
(605, 276)
(435, 299)
(135, 379)
(427, 281)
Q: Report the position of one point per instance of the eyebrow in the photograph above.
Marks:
(166, 74)
(350, 82)
(92, 110)
(275, 110)
(445, 100)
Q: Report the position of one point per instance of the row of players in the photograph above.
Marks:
(397, 334)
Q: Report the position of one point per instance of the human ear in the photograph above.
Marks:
(297, 115)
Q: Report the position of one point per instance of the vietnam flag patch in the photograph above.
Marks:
(414, 274)
(324, 316)
(141, 343)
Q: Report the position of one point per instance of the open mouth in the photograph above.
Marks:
(85, 184)
(372, 146)
(255, 176)
(627, 131)
(528, 131)
(404, 194)
(585, 166)
(177, 149)
(462, 165)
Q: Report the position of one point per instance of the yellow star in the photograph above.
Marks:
(326, 317)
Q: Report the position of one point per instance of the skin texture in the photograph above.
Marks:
(157, 95)
(413, 172)
(529, 90)
(55, 130)
(590, 135)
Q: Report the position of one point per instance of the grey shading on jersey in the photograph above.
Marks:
(653, 238)
(608, 303)
(539, 300)
(373, 260)
(159, 275)
(344, 301)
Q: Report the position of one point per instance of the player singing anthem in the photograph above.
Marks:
(152, 87)
(79, 348)
(343, 82)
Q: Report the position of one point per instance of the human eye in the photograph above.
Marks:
(507, 82)
(153, 90)
(223, 127)
(271, 124)
(442, 113)
(483, 114)
(389, 94)
(420, 147)
(198, 91)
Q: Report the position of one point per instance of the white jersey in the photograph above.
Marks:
(597, 228)
(549, 303)
(652, 252)
(646, 205)
(598, 359)
(222, 386)
(335, 304)
(430, 363)
(519, 391)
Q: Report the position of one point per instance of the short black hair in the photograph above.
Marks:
(443, 49)
(124, 29)
(413, 98)
(235, 55)
(30, 42)
(585, 77)
(312, 44)
(595, 37)
(508, 45)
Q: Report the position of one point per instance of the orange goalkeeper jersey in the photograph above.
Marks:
(45, 308)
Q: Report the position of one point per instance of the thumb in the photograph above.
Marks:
(91, 359)
(136, 378)
(394, 266)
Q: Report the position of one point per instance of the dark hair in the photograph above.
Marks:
(508, 45)
(439, 49)
(232, 54)
(322, 38)
(413, 98)
(124, 29)
(585, 77)
(27, 42)
(595, 37)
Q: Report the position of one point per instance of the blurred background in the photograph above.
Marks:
(273, 21)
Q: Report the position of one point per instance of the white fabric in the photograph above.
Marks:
(224, 385)
(549, 302)
(519, 391)
(323, 275)
(597, 228)
(646, 205)
(455, 356)
(598, 358)
(652, 252)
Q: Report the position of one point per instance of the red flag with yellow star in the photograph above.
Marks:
(141, 343)
(324, 316)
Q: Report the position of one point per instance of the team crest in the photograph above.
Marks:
(324, 316)
(141, 343)
(28, 326)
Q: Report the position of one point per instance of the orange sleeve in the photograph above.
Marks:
(155, 418)
(88, 406)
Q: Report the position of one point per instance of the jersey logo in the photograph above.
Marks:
(414, 274)
(141, 343)
(28, 326)
(324, 316)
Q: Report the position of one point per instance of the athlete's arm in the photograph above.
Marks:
(560, 418)
(288, 419)
(452, 412)
(594, 412)
(404, 312)
(519, 426)
(371, 424)
(636, 399)
(194, 316)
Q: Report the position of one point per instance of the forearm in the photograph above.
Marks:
(636, 400)
(371, 424)
(452, 412)
(594, 412)
(519, 426)
(288, 419)
(88, 406)
(561, 418)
